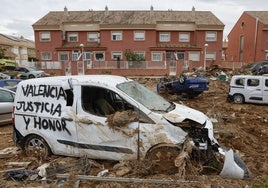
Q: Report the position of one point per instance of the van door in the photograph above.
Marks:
(265, 90)
(254, 90)
(97, 137)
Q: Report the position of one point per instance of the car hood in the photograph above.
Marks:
(181, 112)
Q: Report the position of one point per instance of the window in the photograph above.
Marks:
(184, 37)
(101, 102)
(116, 55)
(211, 56)
(241, 43)
(141, 54)
(63, 56)
(156, 56)
(93, 37)
(139, 35)
(164, 37)
(99, 56)
(253, 82)
(45, 36)
(266, 82)
(73, 37)
(45, 55)
(240, 81)
(194, 56)
(75, 55)
(116, 35)
(211, 36)
(87, 56)
(6, 96)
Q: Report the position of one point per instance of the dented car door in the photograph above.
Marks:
(95, 137)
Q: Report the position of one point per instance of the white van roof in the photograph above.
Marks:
(249, 76)
(111, 80)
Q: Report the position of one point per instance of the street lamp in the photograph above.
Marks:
(82, 54)
(205, 54)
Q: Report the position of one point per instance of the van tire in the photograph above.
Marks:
(36, 146)
(238, 98)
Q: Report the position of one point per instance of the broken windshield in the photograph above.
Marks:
(146, 97)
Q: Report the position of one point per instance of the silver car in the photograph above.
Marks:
(6, 105)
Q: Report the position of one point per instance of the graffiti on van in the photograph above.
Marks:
(43, 90)
(39, 107)
(55, 96)
(47, 124)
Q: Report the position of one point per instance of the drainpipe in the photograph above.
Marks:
(255, 38)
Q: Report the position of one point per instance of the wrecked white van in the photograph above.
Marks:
(110, 117)
(249, 89)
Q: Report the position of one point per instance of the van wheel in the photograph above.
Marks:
(161, 158)
(36, 146)
(239, 99)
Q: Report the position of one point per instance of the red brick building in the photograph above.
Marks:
(90, 42)
(248, 39)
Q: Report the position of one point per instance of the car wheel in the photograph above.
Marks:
(36, 146)
(31, 76)
(239, 99)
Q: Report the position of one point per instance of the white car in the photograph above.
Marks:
(6, 105)
(112, 118)
(249, 89)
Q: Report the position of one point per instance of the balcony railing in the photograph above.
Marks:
(110, 65)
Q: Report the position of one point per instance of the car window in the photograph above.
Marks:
(103, 102)
(240, 81)
(266, 82)
(11, 83)
(6, 96)
(99, 101)
(253, 82)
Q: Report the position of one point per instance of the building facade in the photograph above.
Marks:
(248, 39)
(18, 48)
(127, 42)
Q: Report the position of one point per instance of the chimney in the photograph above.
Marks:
(151, 11)
(151, 8)
(106, 10)
(66, 11)
(193, 11)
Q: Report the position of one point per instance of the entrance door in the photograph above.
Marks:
(80, 68)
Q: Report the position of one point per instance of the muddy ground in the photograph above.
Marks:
(242, 127)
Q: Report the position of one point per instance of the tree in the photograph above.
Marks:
(135, 58)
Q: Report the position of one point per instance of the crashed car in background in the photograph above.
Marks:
(28, 73)
(248, 89)
(190, 85)
(113, 118)
(10, 84)
(6, 105)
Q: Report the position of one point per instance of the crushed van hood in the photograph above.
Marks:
(181, 112)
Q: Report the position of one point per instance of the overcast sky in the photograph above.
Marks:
(18, 16)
